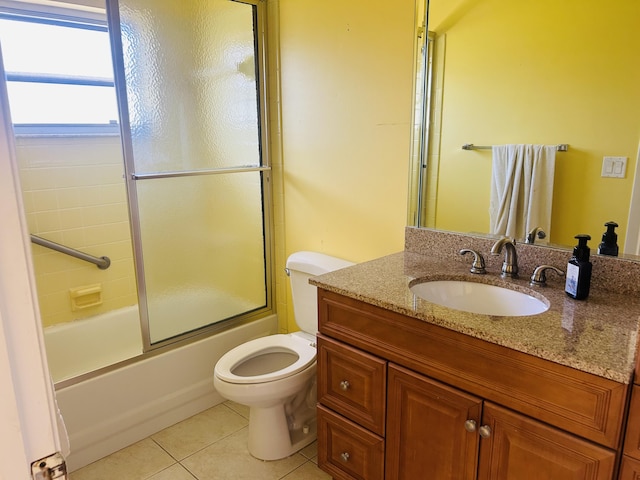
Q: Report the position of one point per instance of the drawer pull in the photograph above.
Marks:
(470, 426)
(485, 431)
(344, 456)
(344, 385)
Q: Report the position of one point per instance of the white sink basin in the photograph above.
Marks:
(479, 298)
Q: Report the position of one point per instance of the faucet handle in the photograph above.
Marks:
(539, 277)
(478, 261)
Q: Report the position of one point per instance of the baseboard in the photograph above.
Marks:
(107, 436)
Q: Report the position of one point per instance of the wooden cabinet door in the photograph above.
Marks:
(519, 447)
(426, 434)
(630, 469)
(632, 437)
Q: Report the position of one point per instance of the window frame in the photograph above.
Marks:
(63, 17)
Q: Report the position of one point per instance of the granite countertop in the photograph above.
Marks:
(597, 335)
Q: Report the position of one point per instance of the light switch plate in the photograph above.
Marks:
(615, 167)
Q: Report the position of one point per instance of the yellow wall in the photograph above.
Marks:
(341, 176)
(347, 71)
(74, 194)
(589, 100)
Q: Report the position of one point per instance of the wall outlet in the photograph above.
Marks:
(614, 167)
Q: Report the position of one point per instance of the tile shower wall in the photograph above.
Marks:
(74, 194)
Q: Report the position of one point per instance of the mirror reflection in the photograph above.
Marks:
(515, 72)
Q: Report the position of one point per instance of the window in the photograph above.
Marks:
(59, 73)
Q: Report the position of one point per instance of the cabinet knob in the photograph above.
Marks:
(470, 426)
(485, 431)
(344, 456)
(344, 385)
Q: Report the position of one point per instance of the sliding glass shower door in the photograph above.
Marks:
(191, 96)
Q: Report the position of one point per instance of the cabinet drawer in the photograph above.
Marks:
(632, 437)
(353, 383)
(346, 450)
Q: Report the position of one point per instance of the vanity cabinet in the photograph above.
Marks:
(630, 468)
(630, 465)
(400, 398)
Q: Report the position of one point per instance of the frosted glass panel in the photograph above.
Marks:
(203, 246)
(191, 84)
(192, 102)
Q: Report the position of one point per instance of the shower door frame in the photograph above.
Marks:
(260, 36)
(632, 242)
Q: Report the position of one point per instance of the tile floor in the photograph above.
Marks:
(209, 446)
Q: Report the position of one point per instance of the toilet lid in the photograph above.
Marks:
(258, 351)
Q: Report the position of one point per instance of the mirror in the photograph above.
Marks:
(543, 72)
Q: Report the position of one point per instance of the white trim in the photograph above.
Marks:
(95, 9)
(632, 242)
(12, 454)
(27, 390)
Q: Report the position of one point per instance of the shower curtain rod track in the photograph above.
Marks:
(101, 262)
(562, 147)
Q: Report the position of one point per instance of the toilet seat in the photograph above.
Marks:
(287, 343)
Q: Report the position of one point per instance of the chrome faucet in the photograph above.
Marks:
(510, 264)
(531, 236)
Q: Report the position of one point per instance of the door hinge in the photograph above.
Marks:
(49, 468)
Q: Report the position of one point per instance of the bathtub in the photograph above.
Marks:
(109, 411)
(83, 346)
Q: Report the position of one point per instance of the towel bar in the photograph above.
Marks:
(563, 147)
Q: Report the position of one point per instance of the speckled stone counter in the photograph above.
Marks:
(597, 335)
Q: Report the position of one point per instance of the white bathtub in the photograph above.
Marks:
(83, 346)
(108, 412)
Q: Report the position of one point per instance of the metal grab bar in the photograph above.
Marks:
(101, 262)
(563, 147)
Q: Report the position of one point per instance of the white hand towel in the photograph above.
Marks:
(521, 189)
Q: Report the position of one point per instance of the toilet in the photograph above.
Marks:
(275, 376)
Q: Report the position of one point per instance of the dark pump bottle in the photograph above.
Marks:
(579, 270)
(609, 245)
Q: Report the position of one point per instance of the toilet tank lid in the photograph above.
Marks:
(315, 263)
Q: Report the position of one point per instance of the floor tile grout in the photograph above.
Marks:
(208, 445)
(164, 449)
(190, 472)
(299, 466)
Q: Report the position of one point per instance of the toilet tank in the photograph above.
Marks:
(300, 267)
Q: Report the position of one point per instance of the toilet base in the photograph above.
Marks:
(269, 435)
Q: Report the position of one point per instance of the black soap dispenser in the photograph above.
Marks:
(609, 245)
(579, 270)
